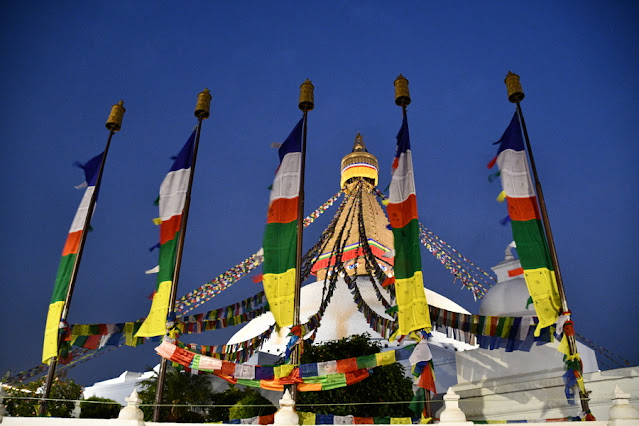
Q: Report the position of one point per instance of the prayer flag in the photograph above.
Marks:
(172, 200)
(280, 235)
(69, 256)
(526, 225)
(402, 212)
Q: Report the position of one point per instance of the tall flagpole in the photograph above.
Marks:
(202, 111)
(113, 124)
(516, 95)
(306, 104)
(402, 99)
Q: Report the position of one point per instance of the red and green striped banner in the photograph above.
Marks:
(172, 200)
(280, 235)
(69, 256)
(526, 223)
(402, 213)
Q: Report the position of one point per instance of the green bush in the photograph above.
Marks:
(99, 408)
(25, 407)
(180, 389)
(385, 384)
(245, 407)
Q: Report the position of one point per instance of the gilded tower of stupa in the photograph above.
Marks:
(359, 167)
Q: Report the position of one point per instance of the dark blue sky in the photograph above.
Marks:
(65, 64)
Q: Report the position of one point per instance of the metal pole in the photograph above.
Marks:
(295, 356)
(176, 276)
(516, 95)
(114, 123)
(201, 112)
(572, 343)
(306, 104)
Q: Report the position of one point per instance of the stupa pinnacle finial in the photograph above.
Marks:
(359, 146)
(359, 164)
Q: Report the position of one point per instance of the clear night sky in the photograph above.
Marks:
(65, 63)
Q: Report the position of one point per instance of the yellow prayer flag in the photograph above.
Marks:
(306, 418)
(385, 358)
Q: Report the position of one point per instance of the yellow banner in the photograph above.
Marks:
(50, 345)
(412, 305)
(542, 286)
(155, 323)
(280, 293)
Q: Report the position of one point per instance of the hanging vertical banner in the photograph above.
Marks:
(526, 223)
(69, 255)
(402, 212)
(280, 235)
(172, 199)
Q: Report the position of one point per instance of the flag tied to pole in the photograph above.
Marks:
(172, 200)
(280, 235)
(69, 256)
(525, 219)
(402, 212)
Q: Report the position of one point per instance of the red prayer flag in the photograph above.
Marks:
(356, 376)
(346, 365)
(266, 420)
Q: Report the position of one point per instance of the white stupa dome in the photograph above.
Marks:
(342, 318)
(509, 297)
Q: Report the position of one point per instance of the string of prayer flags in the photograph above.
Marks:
(172, 201)
(309, 377)
(69, 256)
(214, 287)
(306, 418)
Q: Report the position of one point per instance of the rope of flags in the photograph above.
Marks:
(512, 333)
(308, 377)
(471, 276)
(237, 352)
(306, 418)
(207, 291)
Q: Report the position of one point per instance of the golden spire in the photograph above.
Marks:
(359, 164)
(359, 146)
(359, 167)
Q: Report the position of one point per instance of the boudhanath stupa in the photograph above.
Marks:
(342, 318)
(350, 263)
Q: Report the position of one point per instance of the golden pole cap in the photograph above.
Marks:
(114, 122)
(515, 92)
(203, 106)
(307, 101)
(402, 95)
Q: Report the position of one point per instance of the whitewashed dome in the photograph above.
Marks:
(342, 318)
(509, 297)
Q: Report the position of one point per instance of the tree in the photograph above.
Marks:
(180, 389)
(99, 408)
(249, 406)
(385, 384)
(28, 402)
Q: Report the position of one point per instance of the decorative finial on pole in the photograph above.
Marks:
(402, 95)
(203, 106)
(307, 102)
(114, 122)
(515, 92)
